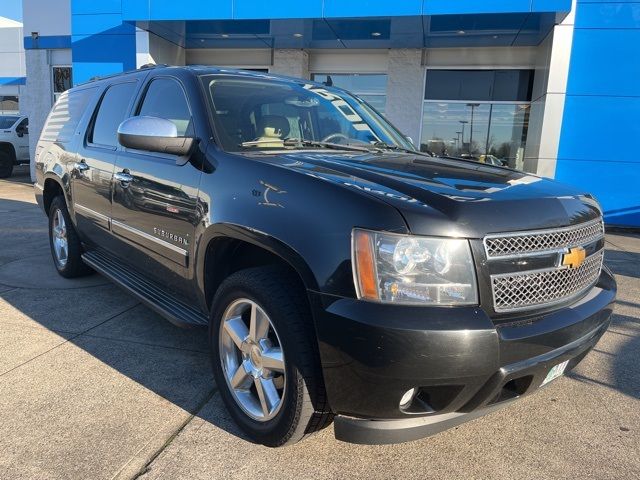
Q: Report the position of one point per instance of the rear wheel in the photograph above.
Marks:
(264, 357)
(6, 164)
(66, 247)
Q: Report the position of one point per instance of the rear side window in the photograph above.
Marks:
(66, 114)
(165, 99)
(113, 108)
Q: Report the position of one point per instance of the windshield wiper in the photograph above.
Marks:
(301, 142)
(388, 146)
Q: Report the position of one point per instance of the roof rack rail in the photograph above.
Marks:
(143, 67)
(152, 65)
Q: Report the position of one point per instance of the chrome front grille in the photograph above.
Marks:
(552, 282)
(524, 290)
(531, 243)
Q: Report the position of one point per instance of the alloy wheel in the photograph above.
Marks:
(252, 359)
(59, 236)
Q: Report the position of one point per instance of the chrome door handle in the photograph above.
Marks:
(81, 166)
(123, 177)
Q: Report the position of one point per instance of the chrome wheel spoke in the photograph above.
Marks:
(241, 379)
(258, 324)
(268, 395)
(237, 330)
(272, 359)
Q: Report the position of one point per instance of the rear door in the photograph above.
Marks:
(92, 176)
(155, 213)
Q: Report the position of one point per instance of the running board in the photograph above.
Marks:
(174, 310)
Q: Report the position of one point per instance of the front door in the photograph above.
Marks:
(22, 140)
(155, 207)
(93, 171)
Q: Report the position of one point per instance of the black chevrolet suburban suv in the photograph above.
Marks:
(343, 275)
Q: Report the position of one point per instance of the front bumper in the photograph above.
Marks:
(463, 364)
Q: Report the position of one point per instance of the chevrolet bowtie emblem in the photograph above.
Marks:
(574, 257)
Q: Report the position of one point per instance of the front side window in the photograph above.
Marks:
(264, 113)
(165, 99)
(481, 115)
(111, 112)
(7, 122)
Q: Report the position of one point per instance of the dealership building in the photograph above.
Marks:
(551, 87)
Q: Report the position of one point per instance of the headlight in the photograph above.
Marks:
(415, 270)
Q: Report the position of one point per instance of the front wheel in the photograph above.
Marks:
(264, 357)
(6, 164)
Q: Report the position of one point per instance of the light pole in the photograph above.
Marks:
(458, 143)
(473, 107)
(463, 122)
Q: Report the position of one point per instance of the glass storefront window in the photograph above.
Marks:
(9, 104)
(489, 132)
(482, 115)
(372, 88)
(61, 81)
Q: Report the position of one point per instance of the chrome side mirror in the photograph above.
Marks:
(153, 134)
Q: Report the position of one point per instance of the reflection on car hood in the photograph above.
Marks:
(440, 196)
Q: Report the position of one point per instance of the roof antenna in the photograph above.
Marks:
(328, 82)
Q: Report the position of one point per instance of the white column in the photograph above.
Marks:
(291, 62)
(405, 91)
(549, 94)
(37, 97)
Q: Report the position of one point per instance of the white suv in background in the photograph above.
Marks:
(14, 143)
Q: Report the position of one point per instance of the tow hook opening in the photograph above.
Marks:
(513, 389)
(429, 400)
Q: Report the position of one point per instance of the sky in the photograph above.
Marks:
(11, 9)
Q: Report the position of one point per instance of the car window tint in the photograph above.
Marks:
(112, 111)
(165, 99)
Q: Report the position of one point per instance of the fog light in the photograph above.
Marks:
(407, 397)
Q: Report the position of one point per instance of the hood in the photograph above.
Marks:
(447, 197)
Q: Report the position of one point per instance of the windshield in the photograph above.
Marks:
(7, 122)
(257, 114)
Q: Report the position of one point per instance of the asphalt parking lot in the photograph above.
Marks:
(94, 385)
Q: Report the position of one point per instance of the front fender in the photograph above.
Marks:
(254, 237)
(302, 218)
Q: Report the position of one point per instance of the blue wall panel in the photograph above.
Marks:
(134, 10)
(250, 9)
(445, 7)
(101, 43)
(97, 6)
(191, 10)
(614, 185)
(608, 61)
(600, 129)
(551, 6)
(371, 8)
(609, 15)
(90, 24)
(102, 54)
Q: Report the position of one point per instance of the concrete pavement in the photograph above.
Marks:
(94, 385)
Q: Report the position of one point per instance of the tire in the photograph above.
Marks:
(69, 265)
(6, 164)
(303, 407)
